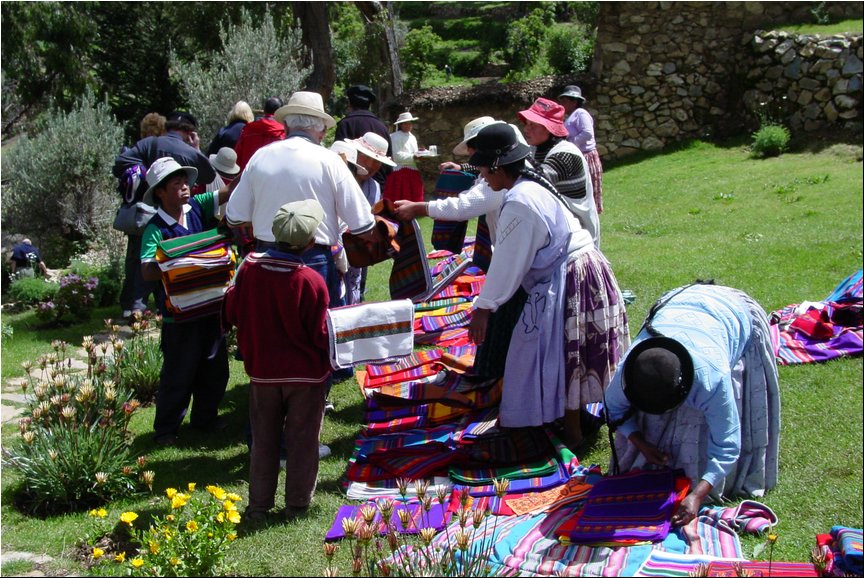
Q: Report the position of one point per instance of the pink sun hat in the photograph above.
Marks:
(547, 113)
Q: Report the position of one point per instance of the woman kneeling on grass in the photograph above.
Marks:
(573, 327)
(698, 391)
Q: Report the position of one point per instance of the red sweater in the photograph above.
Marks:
(279, 307)
(255, 135)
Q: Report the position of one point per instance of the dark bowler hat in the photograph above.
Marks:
(360, 93)
(496, 144)
(658, 375)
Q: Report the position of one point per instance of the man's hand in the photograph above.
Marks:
(690, 505)
(407, 210)
(449, 166)
(479, 323)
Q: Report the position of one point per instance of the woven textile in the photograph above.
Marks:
(761, 568)
(434, 304)
(850, 289)
(433, 323)
(633, 506)
(747, 517)
(482, 251)
(660, 563)
(847, 547)
(416, 359)
(404, 184)
(180, 246)
(390, 488)
(482, 476)
(449, 235)
(383, 247)
(816, 332)
(370, 332)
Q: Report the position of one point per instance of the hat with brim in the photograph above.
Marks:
(375, 146)
(295, 223)
(470, 131)
(348, 151)
(658, 375)
(572, 91)
(547, 113)
(225, 161)
(496, 145)
(360, 93)
(405, 117)
(162, 169)
(308, 103)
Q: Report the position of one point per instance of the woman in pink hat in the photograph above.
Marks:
(561, 161)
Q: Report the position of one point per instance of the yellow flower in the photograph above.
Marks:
(175, 561)
(209, 534)
(191, 526)
(128, 517)
(121, 557)
(231, 537)
(92, 513)
(154, 547)
(137, 562)
(97, 553)
(772, 538)
(217, 492)
(220, 517)
(229, 505)
(191, 486)
(179, 500)
(234, 517)
(170, 517)
(101, 513)
(170, 492)
(234, 497)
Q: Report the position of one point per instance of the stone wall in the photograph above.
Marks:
(664, 72)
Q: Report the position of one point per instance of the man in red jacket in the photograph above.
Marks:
(279, 306)
(259, 133)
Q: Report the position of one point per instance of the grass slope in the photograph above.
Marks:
(784, 230)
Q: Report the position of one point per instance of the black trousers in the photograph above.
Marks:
(194, 366)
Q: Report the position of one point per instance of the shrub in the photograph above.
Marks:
(32, 290)
(74, 447)
(192, 539)
(253, 64)
(568, 53)
(139, 363)
(74, 300)
(417, 55)
(60, 186)
(525, 39)
(770, 140)
(8, 333)
(105, 262)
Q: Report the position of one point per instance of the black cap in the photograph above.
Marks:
(658, 375)
(497, 145)
(181, 116)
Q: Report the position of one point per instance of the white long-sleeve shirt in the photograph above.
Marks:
(404, 148)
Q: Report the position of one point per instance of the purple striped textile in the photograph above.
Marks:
(748, 517)
(710, 537)
(443, 322)
(792, 346)
(660, 563)
(636, 506)
(416, 359)
(436, 518)
(483, 476)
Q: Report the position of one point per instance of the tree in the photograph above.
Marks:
(381, 30)
(316, 38)
(254, 63)
(525, 38)
(58, 184)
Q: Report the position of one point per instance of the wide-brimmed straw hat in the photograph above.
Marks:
(496, 144)
(658, 375)
(470, 131)
(572, 91)
(405, 117)
(225, 161)
(374, 145)
(162, 169)
(547, 113)
(349, 149)
(308, 103)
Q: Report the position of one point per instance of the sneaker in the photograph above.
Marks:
(323, 451)
(328, 406)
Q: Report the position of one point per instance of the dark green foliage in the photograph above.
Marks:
(771, 140)
(568, 51)
(32, 290)
(526, 37)
(139, 363)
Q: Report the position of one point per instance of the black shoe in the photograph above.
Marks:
(294, 512)
(216, 425)
(166, 440)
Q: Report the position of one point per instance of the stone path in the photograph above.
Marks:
(37, 560)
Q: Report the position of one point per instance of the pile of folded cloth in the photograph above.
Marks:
(841, 550)
(815, 331)
(196, 271)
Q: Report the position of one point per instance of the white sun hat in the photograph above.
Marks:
(374, 145)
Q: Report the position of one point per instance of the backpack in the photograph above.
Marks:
(132, 214)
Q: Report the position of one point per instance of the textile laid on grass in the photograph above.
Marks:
(436, 518)
(196, 271)
(846, 546)
(747, 517)
(370, 332)
(450, 235)
(818, 331)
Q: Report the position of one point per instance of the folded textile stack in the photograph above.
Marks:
(196, 271)
(846, 546)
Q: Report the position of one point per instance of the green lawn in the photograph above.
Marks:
(784, 230)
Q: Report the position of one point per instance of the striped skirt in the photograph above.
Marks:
(595, 169)
(595, 330)
(684, 435)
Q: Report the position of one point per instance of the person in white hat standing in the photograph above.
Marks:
(405, 182)
(580, 131)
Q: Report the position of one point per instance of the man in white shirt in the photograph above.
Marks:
(299, 168)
